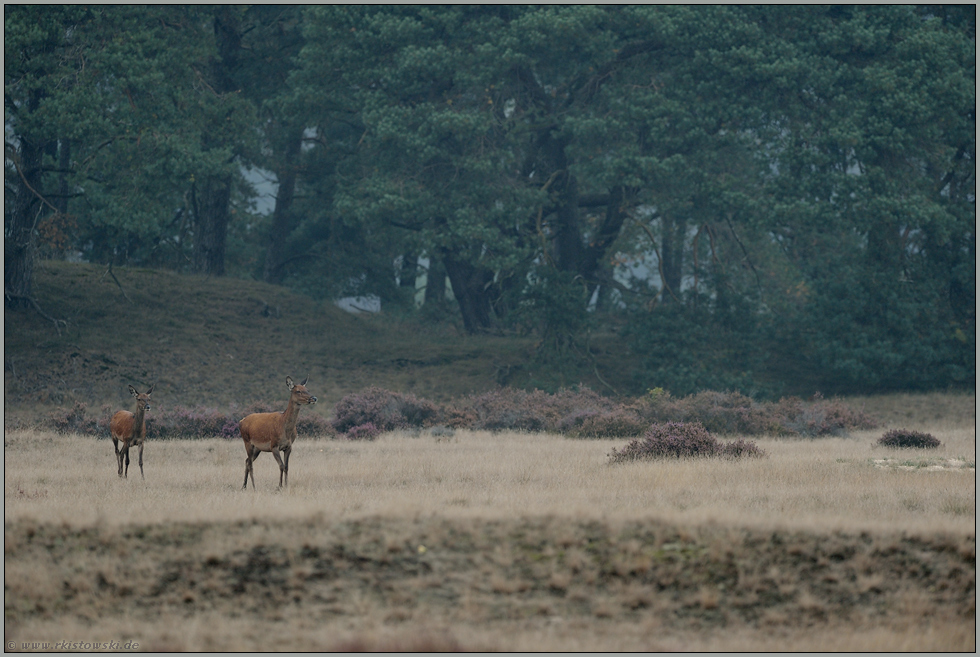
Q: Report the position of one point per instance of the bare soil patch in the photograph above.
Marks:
(319, 585)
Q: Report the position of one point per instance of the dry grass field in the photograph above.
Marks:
(480, 541)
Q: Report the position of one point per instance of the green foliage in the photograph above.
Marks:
(121, 89)
(766, 199)
(687, 350)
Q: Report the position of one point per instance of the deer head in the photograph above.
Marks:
(142, 399)
(299, 393)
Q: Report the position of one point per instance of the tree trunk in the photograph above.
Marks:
(19, 239)
(212, 226)
(593, 258)
(470, 289)
(672, 257)
(885, 251)
(568, 249)
(212, 218)
(281, 217)
(64, 165)
(435, 283)
(409, 271)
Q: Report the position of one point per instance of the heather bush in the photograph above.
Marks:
(385, 410)
(734, 413)
(366, 431)
(671, 439)
(314, 426)
(74, 420)
(681, 440)
(181, 422)
(821, 417)
(619, 422)
(578, 413)
(505, 409)
(721, 412)
(510, 409)
(739, 448)
(906, 438)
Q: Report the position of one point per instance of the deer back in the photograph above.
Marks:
(263, 430)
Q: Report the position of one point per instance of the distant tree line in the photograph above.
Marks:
(748, 195)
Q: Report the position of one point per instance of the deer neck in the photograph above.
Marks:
(289, 417)
(138, 421)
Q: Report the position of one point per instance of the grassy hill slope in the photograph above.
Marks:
(214, 342)
(219, 342)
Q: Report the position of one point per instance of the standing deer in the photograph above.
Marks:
(274, 432)
(130, 429)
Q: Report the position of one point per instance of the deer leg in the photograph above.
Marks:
(282, 468)
(248, 467)
(141, 462)
(126, 454)
(251, 455)
(285, 459)
(119, 460)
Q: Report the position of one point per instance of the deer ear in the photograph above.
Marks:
(133, 392)
(151, 388)
(305, 380)
(289, 382)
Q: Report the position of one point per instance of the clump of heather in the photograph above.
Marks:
(366, 431)
(618, 422)
(74, 420)
(681, 440)
(511, 409)
(821, 417)
(739, 448)
(734, 413)
(385, 410)
(908, 439)
(181, 422)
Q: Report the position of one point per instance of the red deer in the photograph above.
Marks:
(130, 429)
(274, 432)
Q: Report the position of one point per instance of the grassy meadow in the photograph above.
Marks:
(481, 541)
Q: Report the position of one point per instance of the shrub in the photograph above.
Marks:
(384, 409)
(521, 410)
(669, 440)
(366, 431)
(739, 448)
(681, 440)
(314, 426)
(73, 420)
(181, 422)
(906, 438)
(721, 412)
(620, 422)
(507, 409)
(734, 413)
(821, 417)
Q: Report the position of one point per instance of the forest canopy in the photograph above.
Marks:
(744, 195)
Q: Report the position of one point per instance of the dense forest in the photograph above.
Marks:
(742, 195)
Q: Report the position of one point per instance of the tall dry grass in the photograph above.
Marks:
(820, 485)
(155, 566)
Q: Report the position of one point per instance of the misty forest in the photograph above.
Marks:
(748, 198)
